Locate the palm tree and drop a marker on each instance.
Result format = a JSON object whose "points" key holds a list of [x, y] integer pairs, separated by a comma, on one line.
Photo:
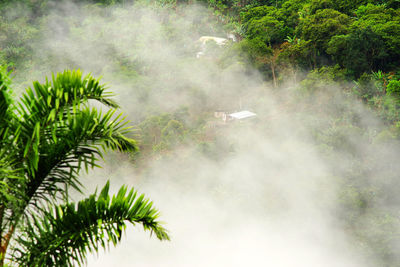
{"points": [[46, 139]]}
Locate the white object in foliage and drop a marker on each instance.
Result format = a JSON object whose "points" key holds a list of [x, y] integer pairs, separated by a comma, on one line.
{"points": [[242, 115], [232, 37], [203, 41], [199, 54], [219, 40]]}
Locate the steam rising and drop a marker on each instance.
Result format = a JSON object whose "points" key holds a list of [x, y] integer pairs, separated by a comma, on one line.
{"points": [[274, 200]]}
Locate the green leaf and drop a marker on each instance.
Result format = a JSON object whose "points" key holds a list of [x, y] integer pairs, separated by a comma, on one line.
{"points": [[64, 234]]}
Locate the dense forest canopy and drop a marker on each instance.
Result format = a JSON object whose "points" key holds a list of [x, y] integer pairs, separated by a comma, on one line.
{"points": [[322, 76]]}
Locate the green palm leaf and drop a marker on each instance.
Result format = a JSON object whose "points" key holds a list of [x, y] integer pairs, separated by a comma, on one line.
{"points": [[64, 235], [58, 132], [46, 139], [84, 135], [48, 106]]}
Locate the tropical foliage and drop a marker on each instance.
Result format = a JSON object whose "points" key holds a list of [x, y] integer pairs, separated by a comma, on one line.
{"points": [[332, 57], [46, 139]]}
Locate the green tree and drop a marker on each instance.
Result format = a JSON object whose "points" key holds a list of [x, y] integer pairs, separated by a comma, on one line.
{"points": [[315, 5], [322, 26], [295, 55], [367, 87], [45, 140], [268, 28], [393, 88], [291, 12], [260, 56], [258, 13], [321, 78], [344, 6], [253, 50], [264, 23], [360, 51], [385, 22], [392, 3]]}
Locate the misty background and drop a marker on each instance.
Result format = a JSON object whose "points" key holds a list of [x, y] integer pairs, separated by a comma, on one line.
{"points": [[302, 185]]}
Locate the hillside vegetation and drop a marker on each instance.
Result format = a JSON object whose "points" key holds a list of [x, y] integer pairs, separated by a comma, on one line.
{"points": [[324, 73]]}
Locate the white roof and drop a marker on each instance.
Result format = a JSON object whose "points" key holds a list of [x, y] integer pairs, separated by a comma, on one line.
{"points": [[242, 114], [218, 40]]}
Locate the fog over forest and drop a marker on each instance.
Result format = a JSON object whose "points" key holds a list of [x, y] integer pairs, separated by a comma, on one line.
{"points": [[299, 185]]}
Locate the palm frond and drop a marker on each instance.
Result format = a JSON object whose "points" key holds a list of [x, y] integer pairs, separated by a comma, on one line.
{"points": [[11, 189], [65, 89], [11, 177], [46, 105], [84, 135], [65, 234], [46, 139], [5, 102], [56, 133]]}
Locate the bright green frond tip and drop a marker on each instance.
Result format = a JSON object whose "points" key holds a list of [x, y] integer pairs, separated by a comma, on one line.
{"points": [[64, 234], [65, 89]]}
